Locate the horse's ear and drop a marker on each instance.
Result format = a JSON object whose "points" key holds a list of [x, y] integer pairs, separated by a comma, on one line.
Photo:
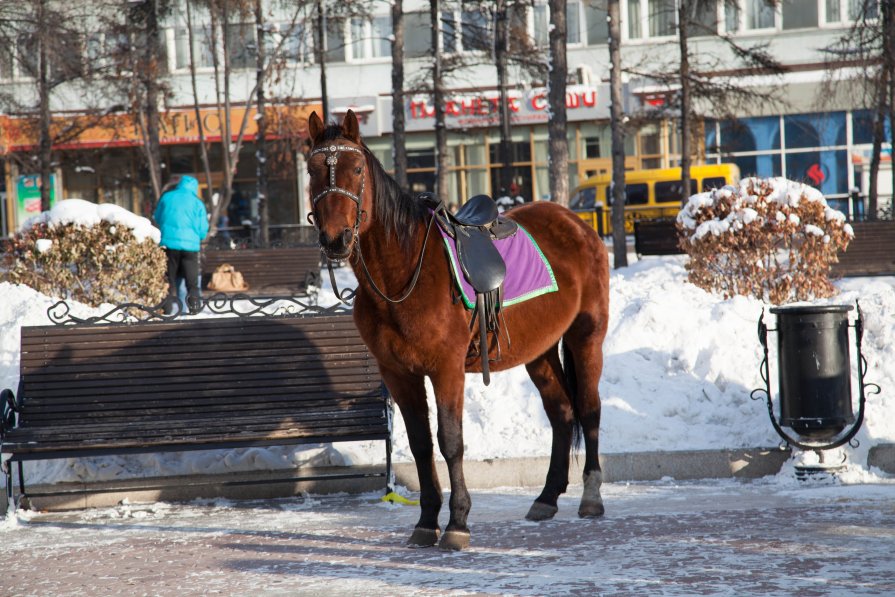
{"points": [[350, 128], [315, 128]]}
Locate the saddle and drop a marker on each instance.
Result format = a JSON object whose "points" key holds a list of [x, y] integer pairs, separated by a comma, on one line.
{"points": [[475, 227]]}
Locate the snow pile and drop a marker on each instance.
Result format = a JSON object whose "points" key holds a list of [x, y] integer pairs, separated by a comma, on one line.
{"points": [[679, 366], [86, 214]]}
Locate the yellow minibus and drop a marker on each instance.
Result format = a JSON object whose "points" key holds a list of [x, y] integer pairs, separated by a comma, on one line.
{"points": [[649, 194]]}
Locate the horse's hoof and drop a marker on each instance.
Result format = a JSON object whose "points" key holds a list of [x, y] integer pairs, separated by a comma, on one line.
{"points": [[454, 540], [541, 511], [423, 538], [591, 509]]}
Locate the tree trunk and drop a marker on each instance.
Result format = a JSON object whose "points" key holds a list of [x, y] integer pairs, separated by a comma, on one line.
{"points": [[501, 59], [320, 54], [228, 159], [203, 145], [557, 142], [45, 143], [879, 119], [151, 76], [261, 135], [399, 137], [686, 108], [888, 13], [438, 93], [619, 240]]}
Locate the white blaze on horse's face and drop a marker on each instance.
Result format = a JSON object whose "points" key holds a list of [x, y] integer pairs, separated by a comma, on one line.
{"points": [[338, 176]]}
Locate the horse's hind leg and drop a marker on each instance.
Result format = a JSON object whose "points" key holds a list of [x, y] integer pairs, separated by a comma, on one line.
{"points": [[585, 341], [409, 392], [547, 374]]}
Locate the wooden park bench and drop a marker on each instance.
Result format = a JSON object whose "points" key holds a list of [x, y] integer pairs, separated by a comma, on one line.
{"points": [[179, 384], [871, 252], [656, 237], [287, 271]]}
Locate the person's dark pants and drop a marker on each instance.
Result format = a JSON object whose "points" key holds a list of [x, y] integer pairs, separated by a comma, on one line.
{"points": [[183, 264]]}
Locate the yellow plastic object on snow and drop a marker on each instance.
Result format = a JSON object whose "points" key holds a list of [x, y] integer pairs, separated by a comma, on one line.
{"points": [[399, 499]]}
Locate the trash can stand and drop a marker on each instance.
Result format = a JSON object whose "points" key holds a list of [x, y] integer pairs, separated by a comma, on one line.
{"points": [[864, 389]]}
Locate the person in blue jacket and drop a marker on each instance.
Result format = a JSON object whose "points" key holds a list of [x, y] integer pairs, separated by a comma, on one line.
{"points": [[183, 221]]}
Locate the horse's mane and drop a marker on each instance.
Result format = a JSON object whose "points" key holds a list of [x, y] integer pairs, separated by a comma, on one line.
{"points": [[396, 209]]}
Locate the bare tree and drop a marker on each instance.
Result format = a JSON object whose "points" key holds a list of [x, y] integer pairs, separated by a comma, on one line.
{"points": [[228, 37], [501, 61], [320, 51], [438, 97], [868, 45], [557, 142], [710, 80], [261, 171], [45, 42], [619, 241], [399, 136]]}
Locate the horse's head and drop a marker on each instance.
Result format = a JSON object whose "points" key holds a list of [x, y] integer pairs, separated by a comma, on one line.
{"points": [[338, 172]]}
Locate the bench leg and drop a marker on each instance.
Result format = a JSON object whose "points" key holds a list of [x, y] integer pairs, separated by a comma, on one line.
{"points": [[10, 498], [23, 499]]}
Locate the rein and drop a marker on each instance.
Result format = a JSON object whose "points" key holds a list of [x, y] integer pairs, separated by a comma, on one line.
{"points": [[346, 296]]}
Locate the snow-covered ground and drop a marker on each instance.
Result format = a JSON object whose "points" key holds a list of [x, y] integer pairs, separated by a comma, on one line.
{"points": [[679, 366]]}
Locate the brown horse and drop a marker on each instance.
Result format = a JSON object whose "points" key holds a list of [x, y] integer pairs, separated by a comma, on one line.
{"points": [[363, 216]]}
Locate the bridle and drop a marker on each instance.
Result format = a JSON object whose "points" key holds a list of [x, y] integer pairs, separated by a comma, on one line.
{"points": [[332, 159]]}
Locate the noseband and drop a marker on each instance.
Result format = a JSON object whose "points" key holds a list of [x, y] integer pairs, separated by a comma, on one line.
{"points": [[332, 160]]}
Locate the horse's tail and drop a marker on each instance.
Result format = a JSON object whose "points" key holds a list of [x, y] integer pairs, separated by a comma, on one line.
{"points": [[568, 369]]}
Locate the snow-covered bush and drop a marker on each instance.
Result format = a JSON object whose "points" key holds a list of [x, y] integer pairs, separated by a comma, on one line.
{"points": [[773, 239], [90, 253]]}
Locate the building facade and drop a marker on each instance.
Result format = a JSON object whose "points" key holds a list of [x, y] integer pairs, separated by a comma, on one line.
{"points": [[815, 130]]}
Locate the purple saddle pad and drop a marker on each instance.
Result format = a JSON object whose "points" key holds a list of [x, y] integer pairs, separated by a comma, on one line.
{"points": [[528, 272]]}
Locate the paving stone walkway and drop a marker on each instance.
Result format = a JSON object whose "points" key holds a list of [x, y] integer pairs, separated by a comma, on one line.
{"points": [[660, 538]]}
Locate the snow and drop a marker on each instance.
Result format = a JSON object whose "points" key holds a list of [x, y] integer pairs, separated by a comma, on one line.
{"points": [[679, 367], [680, 364], [84, 213]]}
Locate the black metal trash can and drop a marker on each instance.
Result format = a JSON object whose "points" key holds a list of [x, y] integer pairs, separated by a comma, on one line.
{"points": [[814, 369]]}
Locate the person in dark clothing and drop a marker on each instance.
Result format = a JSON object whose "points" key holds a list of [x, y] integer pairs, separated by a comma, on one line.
{"points": [[183, 221]]}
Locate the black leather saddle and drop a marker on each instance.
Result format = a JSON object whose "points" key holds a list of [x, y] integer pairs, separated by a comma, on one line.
{"points": [[475, 227]]}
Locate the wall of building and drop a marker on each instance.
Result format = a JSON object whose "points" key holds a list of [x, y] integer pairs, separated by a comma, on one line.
{"points": [[360, 78]]}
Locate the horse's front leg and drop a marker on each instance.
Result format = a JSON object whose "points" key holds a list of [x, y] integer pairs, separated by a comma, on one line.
{"points": [[409, 393], [448, 386]]}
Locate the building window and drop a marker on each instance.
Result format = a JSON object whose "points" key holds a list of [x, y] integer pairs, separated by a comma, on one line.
{"points": [[732, 14], [635, 30], [370, 38], [417, 34], [573, 22], [662, 18], [202, 55], [760, 14], [466, 31], [296, 43], [838, 11], [705, 19], [335, 40], [799, 14], [241, 45], [595, 18]]}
